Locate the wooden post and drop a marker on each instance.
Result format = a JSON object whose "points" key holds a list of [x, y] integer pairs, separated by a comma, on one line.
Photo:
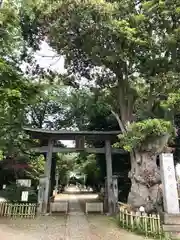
{"points": [[109, 176], [47, 174]]}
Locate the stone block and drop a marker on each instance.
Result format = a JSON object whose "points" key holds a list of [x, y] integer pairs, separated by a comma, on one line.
{"points": [[94, 207], [169, 184], [172, 219], [59, 207]]}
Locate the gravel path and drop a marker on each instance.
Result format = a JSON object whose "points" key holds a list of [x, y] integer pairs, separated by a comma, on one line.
{"points": [[76, 226]]}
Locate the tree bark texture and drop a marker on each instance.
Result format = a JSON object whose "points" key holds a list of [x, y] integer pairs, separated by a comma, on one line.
{"points": [[145, 180]]}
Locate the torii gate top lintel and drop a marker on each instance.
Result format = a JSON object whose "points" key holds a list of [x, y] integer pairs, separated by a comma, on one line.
{"points": [[38, 133]]}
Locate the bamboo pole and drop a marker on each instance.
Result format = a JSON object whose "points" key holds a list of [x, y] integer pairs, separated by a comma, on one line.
{"points": [[146, 224], [131, 221]]}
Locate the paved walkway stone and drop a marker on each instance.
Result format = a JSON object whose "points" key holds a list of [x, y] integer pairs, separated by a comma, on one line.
{"points": [[77, 224]]}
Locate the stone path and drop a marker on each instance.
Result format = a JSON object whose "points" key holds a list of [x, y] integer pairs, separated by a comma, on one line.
{"points": [[76, 226], [93, 227]]}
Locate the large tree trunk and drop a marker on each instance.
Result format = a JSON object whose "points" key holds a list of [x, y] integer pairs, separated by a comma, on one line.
{"points": [[145, 176], [145, 179]]}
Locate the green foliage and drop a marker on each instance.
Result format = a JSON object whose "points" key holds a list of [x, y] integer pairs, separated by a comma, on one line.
{"points": [[87, 165], [17, 91], [50, 104], [142, 133], [83, 104], [36, 167], [64, 165], [90, 168], [172, 103]]}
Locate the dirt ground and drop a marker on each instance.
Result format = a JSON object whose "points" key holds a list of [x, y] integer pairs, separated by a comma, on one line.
{"points": [[55, 228], [41, 228]]}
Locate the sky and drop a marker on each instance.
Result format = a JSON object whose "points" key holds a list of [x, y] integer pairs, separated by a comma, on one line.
{"points": [[47, 58]]}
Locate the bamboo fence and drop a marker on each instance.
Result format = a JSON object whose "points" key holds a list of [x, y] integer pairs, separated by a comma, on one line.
{"points": [[148, 225], [14, 210]]}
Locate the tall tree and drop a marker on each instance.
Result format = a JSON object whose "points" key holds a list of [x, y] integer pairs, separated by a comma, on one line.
{"points": [[17, 91]]}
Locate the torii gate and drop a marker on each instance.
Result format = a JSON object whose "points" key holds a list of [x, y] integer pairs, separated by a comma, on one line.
{"points": [[79, 136]]}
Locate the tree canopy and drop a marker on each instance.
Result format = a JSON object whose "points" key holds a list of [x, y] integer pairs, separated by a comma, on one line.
{"points": [[130, 49]]}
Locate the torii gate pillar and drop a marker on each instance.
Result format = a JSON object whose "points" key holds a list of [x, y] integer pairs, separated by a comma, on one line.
{"points": [[47, 173], [110, 194]]}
